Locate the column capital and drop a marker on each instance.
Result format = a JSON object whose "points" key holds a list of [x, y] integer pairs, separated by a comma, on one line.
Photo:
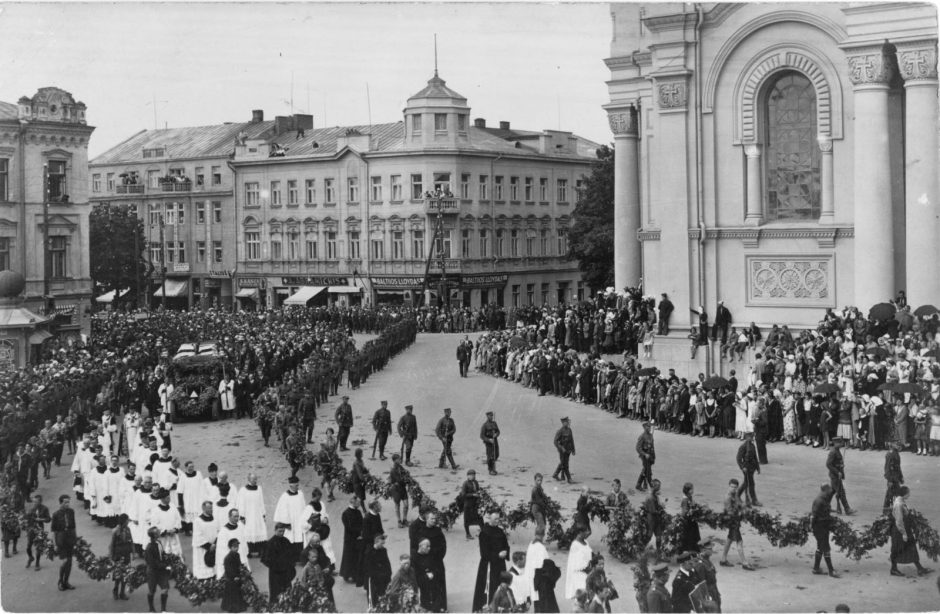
{"points": [[752, 150], [869, 66], [917, 60], [623, 121], [825, 144]]}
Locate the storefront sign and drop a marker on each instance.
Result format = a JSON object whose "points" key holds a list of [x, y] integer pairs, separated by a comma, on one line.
{"points": [[220, 274], [484, 281], [323, 280], [404, 283], [250, 282]]}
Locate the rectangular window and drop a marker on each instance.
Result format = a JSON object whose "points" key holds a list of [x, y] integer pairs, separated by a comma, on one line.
{"points": [[352, 189], [155, 210], [181, 251], [378, 249], [5, 260], [580, 291], [354, 245], [216, 175], [200, 212], [442, 183], [329, 190], [217, 252], [171, 251], [484, 243], [543, 190], [484, 187], [442, 245], [461, 123], [543, 242], [200, 251], [200, 176], [515, 295], [465, 243], [277, 251], [156, 254], [169, 215], [275, 193], [312, 246], [416, 124], [440, 122], [398, 245], [376, 189], [311, 186], [217, 211], [96, 182], [4, 180], [530, 294], [396, 188], [498, 188], [156, 152], [252, 194], [253, 245], [292, 192], [500, 243], [465, 186], [417, 186], [530, 243], [417, 244], [58, 186], [529, 189], [180, 214], [545, 288], [562, 196], [153, 179], [111, 182], [293, 245], [578, 189], [514, 189], [331, 245], [563, 242], [514, 243]]}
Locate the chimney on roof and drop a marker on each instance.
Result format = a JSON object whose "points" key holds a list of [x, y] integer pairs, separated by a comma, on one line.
{"points": [[257, 116], [479, 123], [504, 125]]}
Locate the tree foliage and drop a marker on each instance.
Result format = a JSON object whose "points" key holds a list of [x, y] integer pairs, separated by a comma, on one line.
{"points": [[591, 236], [112, 229]]}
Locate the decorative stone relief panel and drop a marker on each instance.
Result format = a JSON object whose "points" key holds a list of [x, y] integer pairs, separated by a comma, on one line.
{"points": [[790, 281]]}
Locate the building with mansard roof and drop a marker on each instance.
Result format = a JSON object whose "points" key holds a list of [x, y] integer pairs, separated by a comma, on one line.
{"points": [[350, 213], [782, 157]]}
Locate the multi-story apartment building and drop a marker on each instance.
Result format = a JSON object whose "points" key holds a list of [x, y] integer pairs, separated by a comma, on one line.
{"points": [[350, 213], [44, 205]]}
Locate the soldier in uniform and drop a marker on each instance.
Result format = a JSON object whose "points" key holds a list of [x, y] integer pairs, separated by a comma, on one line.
{"points": [[344, 420], [382, 424], [748, 463], [445, 431], [489, 433], [836, 466], [893, 474], [564, 443], [408, 431], [652, 509], [821, 522], [658, 598], [683, 583], [307, 408], [647, 452]]}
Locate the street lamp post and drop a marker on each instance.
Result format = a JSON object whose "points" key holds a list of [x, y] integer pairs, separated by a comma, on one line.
{"points": [[437, 242]]}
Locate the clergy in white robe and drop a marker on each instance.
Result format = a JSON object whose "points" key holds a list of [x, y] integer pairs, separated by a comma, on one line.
{"points": [[110, 428], [223, 494], [166, 518], [82, 465], [98, 491], [115, 483], [233, 528], [129, 484], [189, 488], [205, 533], [161, 470], [250, 504], [131, 430], [579, 557], [138, 512], [535, 555], [227, 394], [165, 391], [290, 510]]}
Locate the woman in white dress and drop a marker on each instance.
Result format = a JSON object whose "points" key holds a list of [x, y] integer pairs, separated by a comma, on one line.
{"points": [[579, 557], [740, 416]]}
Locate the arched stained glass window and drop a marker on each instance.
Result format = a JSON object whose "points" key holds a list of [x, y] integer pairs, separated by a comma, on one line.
{"points": [[791, 161]]}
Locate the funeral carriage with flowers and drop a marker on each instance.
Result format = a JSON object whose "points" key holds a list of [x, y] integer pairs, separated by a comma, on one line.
{"points": [[196, 369]]}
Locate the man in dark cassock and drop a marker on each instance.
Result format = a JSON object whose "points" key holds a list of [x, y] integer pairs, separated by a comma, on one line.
{"points": [[352, 531], [494, 550], [683, 583], [437, 544], [280, 561], [378, 570], [371, 526]]}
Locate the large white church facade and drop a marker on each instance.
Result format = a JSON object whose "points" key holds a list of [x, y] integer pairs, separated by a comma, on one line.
{"points": [[782, 158]]}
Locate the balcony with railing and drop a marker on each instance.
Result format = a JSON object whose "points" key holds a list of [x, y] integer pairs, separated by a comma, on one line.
{"points": [[176, 185], [136, 188]]}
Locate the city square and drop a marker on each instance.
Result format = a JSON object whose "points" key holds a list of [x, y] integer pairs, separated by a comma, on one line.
{"points": [[677, 353]]}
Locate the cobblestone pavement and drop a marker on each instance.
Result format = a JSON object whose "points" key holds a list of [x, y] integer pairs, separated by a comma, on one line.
{"points": [[426, 376]]}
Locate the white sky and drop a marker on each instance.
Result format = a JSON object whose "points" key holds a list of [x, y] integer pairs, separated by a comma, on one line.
{"points": [[536, 65]]}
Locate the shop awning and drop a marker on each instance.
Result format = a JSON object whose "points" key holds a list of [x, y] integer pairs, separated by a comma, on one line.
{"points": [[39, 336], [251, 293], [344, 289], [171, 288], [108, 297], [304, 294]]}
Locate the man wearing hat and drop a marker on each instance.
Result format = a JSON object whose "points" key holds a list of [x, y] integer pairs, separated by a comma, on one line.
{"points": [[280, 561], [821, 522], [408, 431], [489, 433], [564, 443], [445, 431], [290, 511], [658, 598], [382, 425], [647, 452], [344, 422], [835, 463], [893, 474], [683, 583], [307, 408], [748, 463], [705, 570], [665, 311], [722, 322]]}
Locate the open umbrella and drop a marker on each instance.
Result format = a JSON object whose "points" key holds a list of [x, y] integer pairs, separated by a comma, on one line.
{"points": [[929, 354], [516, 342], [715, 382], [925, 310], [648, 371], [826, 388], [881, 311], [887, 386], [908, 387], [877, 351]]}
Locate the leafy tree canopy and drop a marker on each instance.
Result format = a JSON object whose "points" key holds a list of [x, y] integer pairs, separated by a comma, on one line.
{"points": [[113, 257], [591, 236]]}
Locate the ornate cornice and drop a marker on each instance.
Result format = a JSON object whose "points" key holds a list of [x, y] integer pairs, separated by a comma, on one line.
{"points": [[825, 235], [917, 60], [624, 61], [648, 235], [664, 23]]}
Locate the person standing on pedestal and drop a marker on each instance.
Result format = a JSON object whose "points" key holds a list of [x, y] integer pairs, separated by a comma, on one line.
{"points": [[722, 322], [665, 312]]}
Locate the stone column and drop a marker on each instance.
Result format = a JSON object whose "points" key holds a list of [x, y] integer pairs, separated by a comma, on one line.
{"points": [[917, 62], [870, 72], [755, 204], [627, 261], [827, 209]]}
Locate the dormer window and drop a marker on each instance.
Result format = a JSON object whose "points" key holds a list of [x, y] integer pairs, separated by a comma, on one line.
{"points": [[440, 122]]}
